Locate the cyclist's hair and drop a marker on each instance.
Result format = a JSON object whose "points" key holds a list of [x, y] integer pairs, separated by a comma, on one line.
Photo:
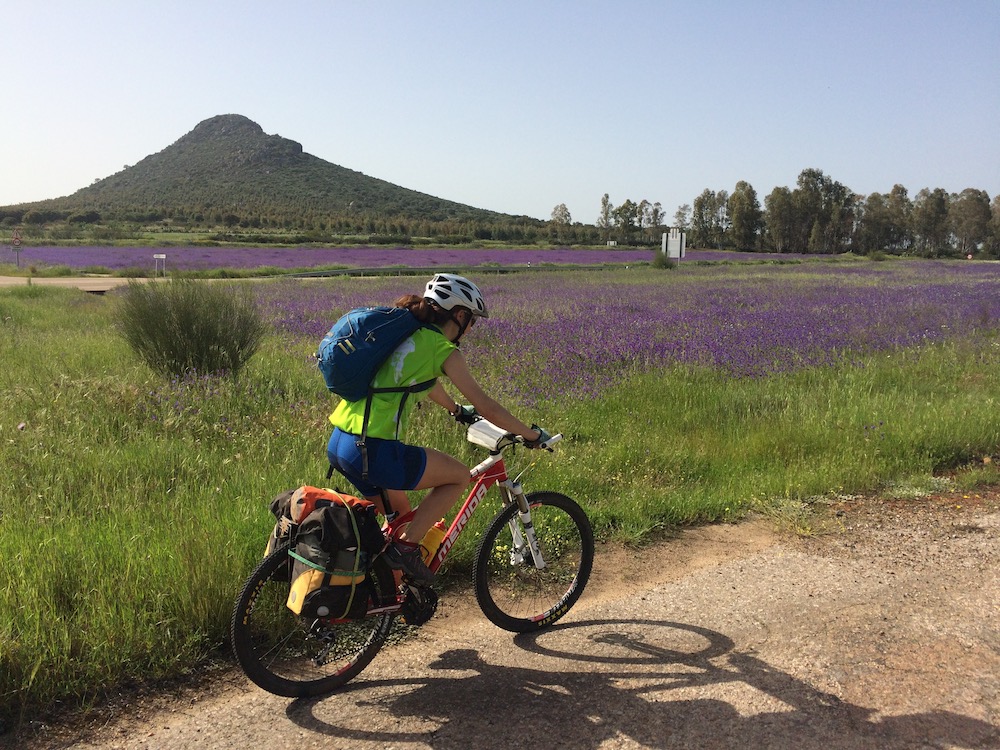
{"points": [[425, 310]]}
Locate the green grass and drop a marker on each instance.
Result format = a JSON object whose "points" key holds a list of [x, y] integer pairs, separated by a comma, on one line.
{"points": [[702, 447], [134, 506]]}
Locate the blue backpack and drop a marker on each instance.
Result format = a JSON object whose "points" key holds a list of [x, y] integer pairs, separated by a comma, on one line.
{"points": [[356, 346]]}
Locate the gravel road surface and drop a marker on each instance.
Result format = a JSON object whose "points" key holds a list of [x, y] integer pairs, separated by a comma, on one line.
{"points": [[883, 632]]}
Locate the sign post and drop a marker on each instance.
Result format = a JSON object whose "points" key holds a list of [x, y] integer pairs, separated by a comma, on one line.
{"points": [[673, 245], [15, 242], [159, 264]]}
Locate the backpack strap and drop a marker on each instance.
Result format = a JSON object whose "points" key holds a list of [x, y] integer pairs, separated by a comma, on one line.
{"points": [[406, 391]]}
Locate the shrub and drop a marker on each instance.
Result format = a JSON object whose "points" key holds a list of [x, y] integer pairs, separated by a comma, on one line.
{"points": [[182, 326], [660, 260]]}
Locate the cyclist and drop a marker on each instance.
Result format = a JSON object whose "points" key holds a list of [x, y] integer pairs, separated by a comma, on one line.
{"points": [[451, 304]]}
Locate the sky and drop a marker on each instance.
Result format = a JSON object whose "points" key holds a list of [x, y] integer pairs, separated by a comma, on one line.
{"points": [[517, 106]]}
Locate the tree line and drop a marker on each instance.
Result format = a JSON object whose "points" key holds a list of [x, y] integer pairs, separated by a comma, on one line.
{"points": [[821, 215], [630, 223], [245, 223]]}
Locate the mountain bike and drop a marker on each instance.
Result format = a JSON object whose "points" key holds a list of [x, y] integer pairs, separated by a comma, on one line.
{"points": [[531, 566]]}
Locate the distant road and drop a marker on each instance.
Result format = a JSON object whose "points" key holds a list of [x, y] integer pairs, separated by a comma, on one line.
{"points": [[95, 284], [101, 284]]}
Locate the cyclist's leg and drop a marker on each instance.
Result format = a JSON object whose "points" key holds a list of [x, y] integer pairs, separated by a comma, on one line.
{"points": [[446, 477]]}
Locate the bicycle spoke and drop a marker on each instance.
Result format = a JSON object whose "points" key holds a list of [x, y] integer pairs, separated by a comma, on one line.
{"points": [[290, 656], [512, 591]]}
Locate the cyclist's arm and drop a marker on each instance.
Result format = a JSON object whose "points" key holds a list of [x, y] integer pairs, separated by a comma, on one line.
{"points": [[440, 396], [458, 373]]}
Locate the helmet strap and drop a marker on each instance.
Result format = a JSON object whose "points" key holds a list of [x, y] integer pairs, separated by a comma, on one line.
{"points": [[462, 327]]}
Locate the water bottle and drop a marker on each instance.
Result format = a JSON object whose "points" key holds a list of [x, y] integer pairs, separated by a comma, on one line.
{"points": [[432, 541]]}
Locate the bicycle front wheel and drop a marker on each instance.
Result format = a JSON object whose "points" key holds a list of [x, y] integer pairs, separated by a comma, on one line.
{"points": [[513, 592], [298, 657]]}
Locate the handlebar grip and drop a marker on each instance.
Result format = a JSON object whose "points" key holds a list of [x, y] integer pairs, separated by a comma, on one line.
{"points": [[547, 445]]}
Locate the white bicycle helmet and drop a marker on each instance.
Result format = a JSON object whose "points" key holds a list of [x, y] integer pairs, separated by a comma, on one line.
{"points": [[449, 290]]}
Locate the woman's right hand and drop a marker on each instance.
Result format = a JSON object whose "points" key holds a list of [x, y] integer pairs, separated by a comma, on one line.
{"points": [[466, 414], [542, 438]]}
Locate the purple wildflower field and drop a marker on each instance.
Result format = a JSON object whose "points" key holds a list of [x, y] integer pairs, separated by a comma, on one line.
{"points": [[206, 258], [574, 334]]}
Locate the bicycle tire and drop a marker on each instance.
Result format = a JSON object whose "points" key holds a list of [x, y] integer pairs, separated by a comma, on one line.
{"points": [[294, 657], [513, 593]]}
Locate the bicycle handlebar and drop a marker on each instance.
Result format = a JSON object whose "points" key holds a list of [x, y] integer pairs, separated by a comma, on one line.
{"points": [[547, 445], [487, 435]]}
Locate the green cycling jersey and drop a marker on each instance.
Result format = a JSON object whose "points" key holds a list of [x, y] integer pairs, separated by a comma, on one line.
{"points": [[420, 357]]}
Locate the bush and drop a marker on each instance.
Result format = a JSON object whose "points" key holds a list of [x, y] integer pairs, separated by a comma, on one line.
{"points": [[660, 260], [183, 326]]}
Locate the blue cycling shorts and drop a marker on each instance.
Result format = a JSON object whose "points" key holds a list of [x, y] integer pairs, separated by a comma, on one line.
{"points": [[392, 465]]}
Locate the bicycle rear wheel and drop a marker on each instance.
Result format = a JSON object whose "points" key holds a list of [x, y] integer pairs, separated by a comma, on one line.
{"points": [[296, 657], [512, 592]]}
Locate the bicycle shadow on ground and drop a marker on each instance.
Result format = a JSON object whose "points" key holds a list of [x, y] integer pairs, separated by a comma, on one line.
{"points": [[660, 684]]}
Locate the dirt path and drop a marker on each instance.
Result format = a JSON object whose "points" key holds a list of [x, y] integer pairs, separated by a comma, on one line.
{"points": [[98, 284], [884, 634]]}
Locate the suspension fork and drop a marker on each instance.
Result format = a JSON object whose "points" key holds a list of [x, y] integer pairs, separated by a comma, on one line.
{"points": [[525, 544]]}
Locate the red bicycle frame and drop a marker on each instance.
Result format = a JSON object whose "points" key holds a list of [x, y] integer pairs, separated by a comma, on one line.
{"points": [[490, 472]]}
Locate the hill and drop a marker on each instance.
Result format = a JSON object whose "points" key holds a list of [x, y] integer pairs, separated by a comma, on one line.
{"points": [[228, 171]]}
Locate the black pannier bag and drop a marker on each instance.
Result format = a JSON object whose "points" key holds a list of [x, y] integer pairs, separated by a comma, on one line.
{"points": [[337, 538]]}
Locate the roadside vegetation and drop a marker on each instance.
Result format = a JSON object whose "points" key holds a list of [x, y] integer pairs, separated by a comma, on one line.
{"points": [[134, 504], [182, 328]]}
